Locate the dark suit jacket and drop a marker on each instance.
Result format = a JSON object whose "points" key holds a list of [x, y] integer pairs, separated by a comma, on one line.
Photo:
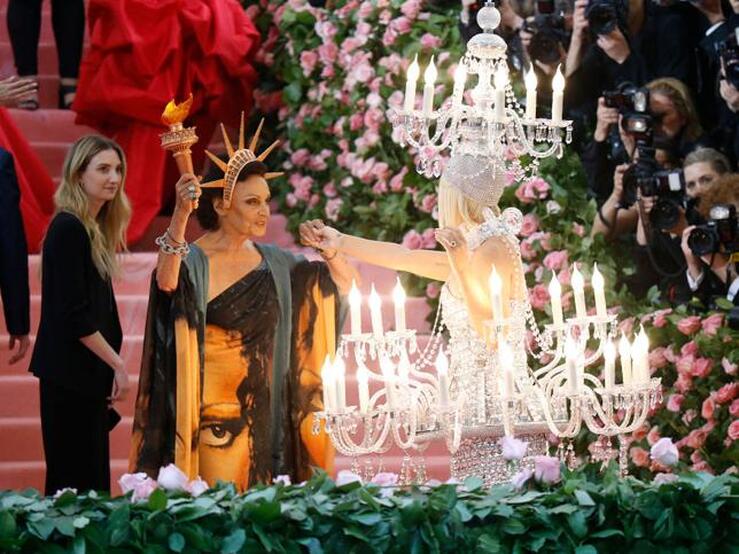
{"points": [[13, 251], [75, 302]]}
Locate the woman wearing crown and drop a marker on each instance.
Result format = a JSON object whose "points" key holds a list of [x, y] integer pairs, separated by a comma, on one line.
{"points": [[236, 335]]}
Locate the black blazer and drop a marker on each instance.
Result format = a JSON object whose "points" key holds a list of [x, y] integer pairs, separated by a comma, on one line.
{"points": [[13, 251], [75, 302]]}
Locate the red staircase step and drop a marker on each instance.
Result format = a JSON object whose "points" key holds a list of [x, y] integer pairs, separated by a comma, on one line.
{"points": [[49, 126]]}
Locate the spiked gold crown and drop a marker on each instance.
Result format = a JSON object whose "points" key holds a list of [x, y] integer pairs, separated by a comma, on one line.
{"points": [[237, 160]]}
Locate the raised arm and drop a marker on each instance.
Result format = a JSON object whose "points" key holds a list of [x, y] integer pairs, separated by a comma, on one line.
{"points": [[425, 263], [168, 264]]}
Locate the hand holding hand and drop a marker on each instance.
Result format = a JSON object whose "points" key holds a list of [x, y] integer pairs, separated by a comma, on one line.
{"points": [[318, 235]]}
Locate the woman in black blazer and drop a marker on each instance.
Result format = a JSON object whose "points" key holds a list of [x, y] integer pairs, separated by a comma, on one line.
{"points": [[76, 356]]}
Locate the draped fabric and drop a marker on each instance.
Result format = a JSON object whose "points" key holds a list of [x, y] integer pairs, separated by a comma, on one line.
{"points": [[35, 183], [142, 54], [180, 383]]}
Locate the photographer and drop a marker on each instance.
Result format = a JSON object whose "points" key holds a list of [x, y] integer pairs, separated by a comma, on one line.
{"points": [[726, 135], [702, 167], [710, 250], [613, 42], [664, 107]]}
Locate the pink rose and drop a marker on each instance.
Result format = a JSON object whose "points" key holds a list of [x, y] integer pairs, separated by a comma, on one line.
{"points": [[546, 469], [640, 432], [412, 240], [689, 325], [512, 448], [429, 239], [329, 189], [333, 207], [433, 290], [734, 408], [300, 157], [683, 383], [396, 183], [664, 452], [727, 393], [702, 367], [539, 297], [696, 438], [521, 478], [657, 359], [708, 408], [733, 431], [688, 417], [401, 25], [379, 188], [530, 225], [428, 203], [660, 317], [196, 487], [308, 60], [411, 8], [674, 402], [639, 456], [578, 229], [684, 364], [172, 478], [653, 435], [689, 349], [712, 323], [664, 478], [527, 250], [556, 260], [430, 41], [729, 368]]}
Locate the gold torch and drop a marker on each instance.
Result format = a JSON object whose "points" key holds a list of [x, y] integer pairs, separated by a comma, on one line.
{"points": [[179, 139]]}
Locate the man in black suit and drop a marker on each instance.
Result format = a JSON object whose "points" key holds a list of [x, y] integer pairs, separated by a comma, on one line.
{"points": [[13, 260]]}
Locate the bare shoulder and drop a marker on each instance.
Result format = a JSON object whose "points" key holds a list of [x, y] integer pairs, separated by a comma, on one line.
{"points": [[495, 250]]}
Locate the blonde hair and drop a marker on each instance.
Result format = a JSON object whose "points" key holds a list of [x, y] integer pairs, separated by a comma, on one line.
{"points": [[107, 231], [679, 95], [724, 190], [456, 209]]}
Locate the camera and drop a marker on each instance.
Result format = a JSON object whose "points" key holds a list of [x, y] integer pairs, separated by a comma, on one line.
{"points": [[720, 231], [728, 52], [603, 16], [632, 103], [548, 33]]}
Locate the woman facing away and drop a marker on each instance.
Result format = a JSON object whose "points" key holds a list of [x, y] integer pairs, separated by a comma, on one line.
{"points": [[475, 237], [76, 356], [236, 335]]}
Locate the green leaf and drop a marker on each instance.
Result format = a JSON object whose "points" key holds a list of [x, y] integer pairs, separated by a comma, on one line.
{"points": [[233, 542], [176, 542], [578, 524], [586, 549], [41, 528], [367, 519], [473, 483], [514, 527], [78, 546], [488, 544], [157, 500], [607, 533], [7, 525], [583, 498]]}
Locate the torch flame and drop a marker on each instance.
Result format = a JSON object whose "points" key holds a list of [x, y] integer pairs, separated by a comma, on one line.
{"points": [[176, 113]]}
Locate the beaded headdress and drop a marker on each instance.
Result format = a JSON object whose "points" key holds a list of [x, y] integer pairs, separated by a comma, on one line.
{"points": [[237, 160]]}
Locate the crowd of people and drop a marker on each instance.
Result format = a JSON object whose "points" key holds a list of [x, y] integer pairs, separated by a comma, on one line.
{"points": [[653, 89]]}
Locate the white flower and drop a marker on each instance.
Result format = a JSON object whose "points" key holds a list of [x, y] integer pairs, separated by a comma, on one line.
{"points": [[172, 478], [60, 492], [196, 487], [513, 448], [345, 477], [519, 479], [284, 479], [664, 452], [553, 207], [143, 490], [385, 479], [128, 481], [662, 478]]}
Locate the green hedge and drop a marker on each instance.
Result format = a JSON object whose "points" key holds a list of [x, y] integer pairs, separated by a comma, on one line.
{"points": [[586, 513]]}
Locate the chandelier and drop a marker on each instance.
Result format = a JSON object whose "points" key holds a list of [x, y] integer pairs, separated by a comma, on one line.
{"points": [[475, 389], [493, 126]]}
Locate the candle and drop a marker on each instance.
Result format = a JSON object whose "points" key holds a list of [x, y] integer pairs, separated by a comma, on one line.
{"points": [[640, 357], [609, 355], [375, 304], [558, 88], [328, 385], [600, 296], [355, 306], [460, 77], [571, 355], [429, 82], [442, 371], [386, 366], [578, 287], [555, 293], [496, 286], [339, 371], [399, 301], [501, 81], [530, 80], [363, 386], [505, 367], [410, 86], [624, 352]]}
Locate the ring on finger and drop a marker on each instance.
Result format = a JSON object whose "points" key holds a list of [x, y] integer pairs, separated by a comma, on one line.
{"points": [[453, 243], [191, 189]]}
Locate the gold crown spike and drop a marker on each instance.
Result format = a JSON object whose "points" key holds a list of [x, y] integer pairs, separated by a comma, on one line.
{"points": [[237, 160], [273, 175]]}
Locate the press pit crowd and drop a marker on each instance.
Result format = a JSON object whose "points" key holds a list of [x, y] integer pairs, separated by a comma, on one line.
{"points": [[653, 89]]}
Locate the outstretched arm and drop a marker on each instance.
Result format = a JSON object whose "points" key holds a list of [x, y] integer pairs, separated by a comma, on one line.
{"points": [[425, 263]]}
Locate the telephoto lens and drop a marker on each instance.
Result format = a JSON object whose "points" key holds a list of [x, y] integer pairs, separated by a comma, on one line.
{"points": [[721, 230]]}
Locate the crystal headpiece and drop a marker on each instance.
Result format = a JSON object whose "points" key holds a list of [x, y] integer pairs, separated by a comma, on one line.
{"points": [[237, 160], [476, 177]]}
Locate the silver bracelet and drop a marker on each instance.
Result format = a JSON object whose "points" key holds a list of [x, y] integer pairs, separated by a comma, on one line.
{"points": [[182, 250]]}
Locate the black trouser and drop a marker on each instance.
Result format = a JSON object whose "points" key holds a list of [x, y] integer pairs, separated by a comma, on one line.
{"points": [[76, 441], [24, 28]]}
